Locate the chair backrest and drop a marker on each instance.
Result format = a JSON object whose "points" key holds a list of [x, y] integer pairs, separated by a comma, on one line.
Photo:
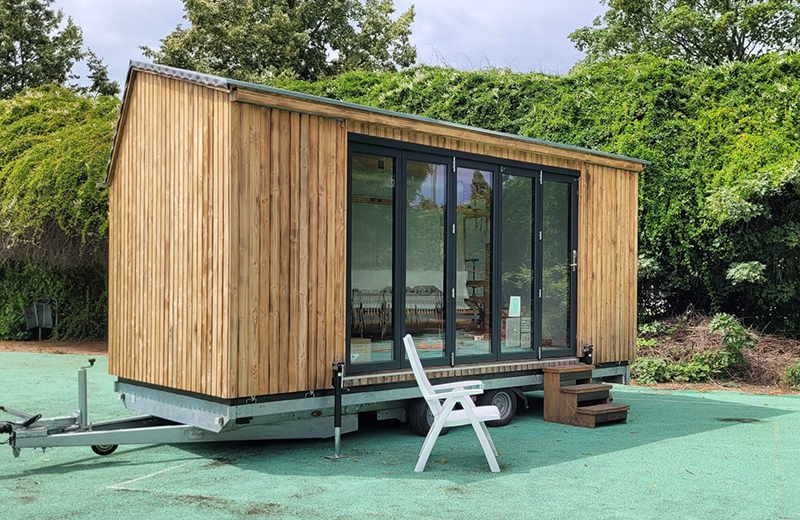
{"points": [[420, 376]]}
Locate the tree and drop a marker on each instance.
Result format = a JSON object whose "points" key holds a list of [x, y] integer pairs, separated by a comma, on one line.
{"points": [[300, 39], [32, 49], [709, 32], [101, 84], [34, 52]]}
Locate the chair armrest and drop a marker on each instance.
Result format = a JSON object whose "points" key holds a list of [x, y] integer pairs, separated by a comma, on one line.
{"points": [[457, 384], [459, 392]]}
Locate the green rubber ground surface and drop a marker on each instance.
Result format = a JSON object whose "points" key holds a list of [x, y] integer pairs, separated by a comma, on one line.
{"points": [[681, 455]]}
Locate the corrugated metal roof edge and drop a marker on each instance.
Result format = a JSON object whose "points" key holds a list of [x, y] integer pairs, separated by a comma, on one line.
{"points": [[217, 81]]}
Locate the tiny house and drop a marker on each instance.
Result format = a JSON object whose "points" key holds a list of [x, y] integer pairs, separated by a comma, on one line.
{"points": [[258, 236]]}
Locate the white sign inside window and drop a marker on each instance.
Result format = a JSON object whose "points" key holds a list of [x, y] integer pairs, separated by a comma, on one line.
{"points": [[514, 306]]}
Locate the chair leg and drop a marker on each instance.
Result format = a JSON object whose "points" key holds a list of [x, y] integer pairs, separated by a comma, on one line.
{"points": [[487, 445], [491, 442], [430, 440]]}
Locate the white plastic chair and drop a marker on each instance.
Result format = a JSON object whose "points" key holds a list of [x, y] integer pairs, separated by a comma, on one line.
{"points": [[445, 416]]}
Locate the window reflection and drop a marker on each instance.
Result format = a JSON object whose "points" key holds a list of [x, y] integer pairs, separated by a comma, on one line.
{"points": [[555, 266], [426, 186], [517, 264], [473, 261], [371, 324]]}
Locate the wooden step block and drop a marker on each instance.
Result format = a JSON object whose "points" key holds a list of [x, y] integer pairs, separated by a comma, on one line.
{"points": [[580, 373], [596, 414], [599, 409], [561, 369], [585, 388], [587, 392]]}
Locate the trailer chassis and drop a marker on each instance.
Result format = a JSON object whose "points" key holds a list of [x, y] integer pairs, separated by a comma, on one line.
{"points": [[173, 418]]}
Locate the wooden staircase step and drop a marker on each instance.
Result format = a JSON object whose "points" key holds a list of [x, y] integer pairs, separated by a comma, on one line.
{"points": [[562, 369], [586, 388], [602, 409], [594, 415]]}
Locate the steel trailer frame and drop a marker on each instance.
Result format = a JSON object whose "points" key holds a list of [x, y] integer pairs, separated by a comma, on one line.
{"points": [[173, 418]]}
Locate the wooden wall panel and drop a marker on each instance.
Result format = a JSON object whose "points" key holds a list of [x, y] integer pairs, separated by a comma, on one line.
{"points": [[167, 258], [607, 256], [289, 174]]}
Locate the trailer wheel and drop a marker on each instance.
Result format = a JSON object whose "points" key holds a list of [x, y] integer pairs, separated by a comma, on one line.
{"points": [[104, 449], [505, 400], [420, 418]]}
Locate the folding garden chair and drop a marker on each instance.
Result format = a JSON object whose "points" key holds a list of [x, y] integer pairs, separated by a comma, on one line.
{"points": [[442, 400]]}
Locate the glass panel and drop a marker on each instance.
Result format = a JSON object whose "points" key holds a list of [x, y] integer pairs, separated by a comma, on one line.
{"points": [[555, 267], [425, 248], [517, 264], [473, 261], [371, 327]]}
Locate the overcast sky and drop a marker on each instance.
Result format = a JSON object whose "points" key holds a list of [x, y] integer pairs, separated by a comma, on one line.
{"points": [[524, 35]]}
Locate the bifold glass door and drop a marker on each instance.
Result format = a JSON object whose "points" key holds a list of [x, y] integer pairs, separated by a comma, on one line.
{"points": [[473, 259], [425, 281], [519, 287], [371, 232], [559, 266]]}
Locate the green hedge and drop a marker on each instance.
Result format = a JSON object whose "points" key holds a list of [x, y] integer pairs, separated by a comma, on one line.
{"points": [[719, 225], [54, 147], [719, 222]]}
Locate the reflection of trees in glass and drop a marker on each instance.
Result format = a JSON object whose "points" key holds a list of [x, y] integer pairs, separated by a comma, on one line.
{"points": [[425, 202], [517, 240], [474, 210], [555, 261]]}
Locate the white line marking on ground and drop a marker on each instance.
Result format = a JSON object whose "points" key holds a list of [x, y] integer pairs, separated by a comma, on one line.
{"points": [[119, 486]]}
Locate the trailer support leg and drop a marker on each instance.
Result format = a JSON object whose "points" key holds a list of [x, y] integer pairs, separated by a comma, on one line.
{"points": [[83, 407], [83, 401], [338, 382]]}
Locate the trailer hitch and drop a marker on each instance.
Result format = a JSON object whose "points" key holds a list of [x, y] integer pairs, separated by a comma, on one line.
{"points": [[8, 427]]}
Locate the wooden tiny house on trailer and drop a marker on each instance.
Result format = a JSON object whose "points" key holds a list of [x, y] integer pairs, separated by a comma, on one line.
{"points": [[257, 236]]}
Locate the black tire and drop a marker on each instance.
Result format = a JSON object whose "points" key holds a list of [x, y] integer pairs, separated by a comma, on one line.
{"points": [[105, 449], [505, 400], [420, 418]]}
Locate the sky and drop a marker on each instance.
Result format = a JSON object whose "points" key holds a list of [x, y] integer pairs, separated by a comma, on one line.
{"points": [[524, 35]]}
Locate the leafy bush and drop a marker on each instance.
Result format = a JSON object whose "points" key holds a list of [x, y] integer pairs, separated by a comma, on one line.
{"points": [[735, 336], [741, 272], [655, 328], [646, 342], [705, 366], [650, 371], [791, 376]]}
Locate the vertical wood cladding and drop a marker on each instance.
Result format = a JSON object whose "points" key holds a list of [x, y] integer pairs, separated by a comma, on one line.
{"points": [[227, 238]]}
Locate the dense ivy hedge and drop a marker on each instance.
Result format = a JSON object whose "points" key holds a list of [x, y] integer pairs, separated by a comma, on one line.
{"points": [[719, 206], [54, 146]]}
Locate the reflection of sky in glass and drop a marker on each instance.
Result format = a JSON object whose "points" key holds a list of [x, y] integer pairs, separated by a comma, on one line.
{"points": [[465, 182], [433, 187]]}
